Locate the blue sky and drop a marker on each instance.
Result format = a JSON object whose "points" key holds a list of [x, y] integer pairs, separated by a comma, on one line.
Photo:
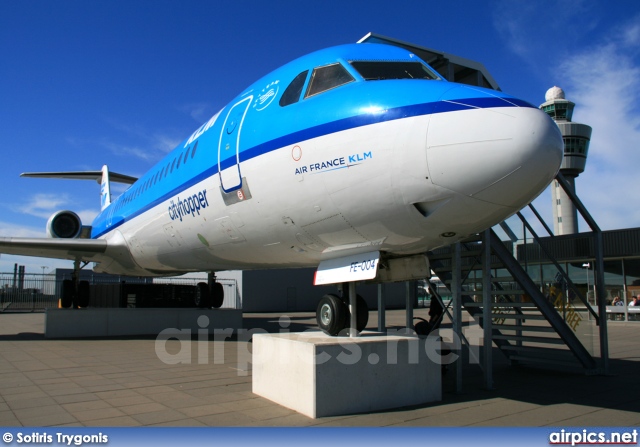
{"points": [[121, 82]]}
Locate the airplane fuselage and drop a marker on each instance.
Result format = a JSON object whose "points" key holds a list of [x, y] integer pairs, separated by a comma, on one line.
{"points": [[293, 172]]}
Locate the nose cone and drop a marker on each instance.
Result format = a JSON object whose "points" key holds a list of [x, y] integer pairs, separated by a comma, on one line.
{"points": [[502, 155]]}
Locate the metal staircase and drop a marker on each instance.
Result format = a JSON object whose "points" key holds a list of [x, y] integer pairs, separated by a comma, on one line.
{"points": [[530, 310], [527, 325]]}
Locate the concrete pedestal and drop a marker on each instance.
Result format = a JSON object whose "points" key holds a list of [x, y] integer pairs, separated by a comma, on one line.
{"points": [[319, 375], [111, 322]]}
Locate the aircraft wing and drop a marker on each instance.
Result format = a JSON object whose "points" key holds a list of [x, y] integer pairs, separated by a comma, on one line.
{"points": [[83, 249]]}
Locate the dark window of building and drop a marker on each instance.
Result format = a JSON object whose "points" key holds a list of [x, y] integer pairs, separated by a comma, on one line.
{"points": [[327, 78], [559, 110], [576, 145], [292, 93]]}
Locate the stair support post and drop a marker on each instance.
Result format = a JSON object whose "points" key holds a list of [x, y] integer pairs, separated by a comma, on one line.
{"points": [[457, 308], [487, 323]]}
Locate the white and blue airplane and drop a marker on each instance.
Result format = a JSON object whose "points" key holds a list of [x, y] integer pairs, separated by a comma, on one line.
{"points": [[355, 159]]}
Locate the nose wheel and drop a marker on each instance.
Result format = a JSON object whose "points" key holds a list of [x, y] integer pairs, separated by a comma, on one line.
{"points": [[333, 316]]}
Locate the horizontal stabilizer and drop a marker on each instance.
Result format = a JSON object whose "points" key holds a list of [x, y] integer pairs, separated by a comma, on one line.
{"points": [[83, 175]]}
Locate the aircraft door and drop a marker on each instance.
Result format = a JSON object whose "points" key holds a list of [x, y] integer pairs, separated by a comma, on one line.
{"points": [[229, 146]]}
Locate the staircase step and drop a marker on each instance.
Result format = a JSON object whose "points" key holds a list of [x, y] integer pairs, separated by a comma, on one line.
{"points": [[510, 304], [529, 339], [520, 317], [536, 351], [549, 362], [493, 292], [513, 327]]}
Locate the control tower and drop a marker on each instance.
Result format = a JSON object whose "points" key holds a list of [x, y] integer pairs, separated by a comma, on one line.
{"points": [[576, 138]]}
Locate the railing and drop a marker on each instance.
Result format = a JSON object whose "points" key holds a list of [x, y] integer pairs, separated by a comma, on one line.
{"points": [[553, 279], [28, 292]]}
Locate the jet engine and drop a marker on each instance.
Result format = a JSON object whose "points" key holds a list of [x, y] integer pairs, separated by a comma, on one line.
{"points": [[64, 225]]}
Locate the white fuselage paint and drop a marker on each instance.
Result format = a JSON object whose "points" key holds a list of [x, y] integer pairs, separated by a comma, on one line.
{"points": [[394, 187]]}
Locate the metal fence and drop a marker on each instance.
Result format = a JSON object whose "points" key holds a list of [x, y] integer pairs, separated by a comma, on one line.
{"points": [[33, 292]]}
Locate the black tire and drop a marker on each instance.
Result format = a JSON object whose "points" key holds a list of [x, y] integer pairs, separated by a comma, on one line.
{"points": [[422, 327], [217, 297], [84, 294], [67, 294], [202, 298], [331, 314], [362, 309]]}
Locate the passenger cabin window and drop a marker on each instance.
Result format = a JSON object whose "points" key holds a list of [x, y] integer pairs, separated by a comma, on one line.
{"points": [[327, 77], [381, 70], [292, 93]]}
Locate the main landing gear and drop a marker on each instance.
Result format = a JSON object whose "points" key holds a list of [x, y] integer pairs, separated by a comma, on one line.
{"points": [[334, 316], [75, 293], [209, 294]]}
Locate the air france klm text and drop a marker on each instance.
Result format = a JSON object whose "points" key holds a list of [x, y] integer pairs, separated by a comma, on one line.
{"points": [[336, 163]]}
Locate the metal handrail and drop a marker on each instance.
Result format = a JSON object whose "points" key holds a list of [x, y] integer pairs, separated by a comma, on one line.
{"points": [[565, 276]]}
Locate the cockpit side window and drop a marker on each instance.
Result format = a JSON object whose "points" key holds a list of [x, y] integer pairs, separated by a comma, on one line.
{"points": [[326, 78], [381, 70], [292, 93]]}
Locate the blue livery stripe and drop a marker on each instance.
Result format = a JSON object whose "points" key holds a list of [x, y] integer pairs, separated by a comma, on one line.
{"points": [[318, 131]]}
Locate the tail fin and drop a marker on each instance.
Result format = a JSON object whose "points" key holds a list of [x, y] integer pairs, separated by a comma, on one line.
{"points": [[105, 188]]}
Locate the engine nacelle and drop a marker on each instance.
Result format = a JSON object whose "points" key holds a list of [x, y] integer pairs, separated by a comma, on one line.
{"points": [[64, 225]]}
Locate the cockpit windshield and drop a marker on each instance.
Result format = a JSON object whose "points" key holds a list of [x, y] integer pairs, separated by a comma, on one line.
{"points": [[382, 70]]}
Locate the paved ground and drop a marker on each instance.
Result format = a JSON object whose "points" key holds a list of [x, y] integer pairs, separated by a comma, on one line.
{"points": [[122, 382]]}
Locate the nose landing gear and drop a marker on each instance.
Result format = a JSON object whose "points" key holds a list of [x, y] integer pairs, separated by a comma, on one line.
{"points": [[334, 318]]}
